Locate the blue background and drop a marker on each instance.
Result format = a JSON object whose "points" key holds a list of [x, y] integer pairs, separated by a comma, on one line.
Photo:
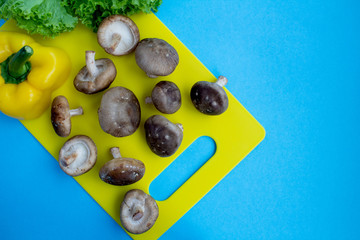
{"points": [[295, 65]]}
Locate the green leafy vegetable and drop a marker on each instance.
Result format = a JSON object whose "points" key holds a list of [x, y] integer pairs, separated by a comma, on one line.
{"points": [[92, 12], [45, 17], [51, 17]]}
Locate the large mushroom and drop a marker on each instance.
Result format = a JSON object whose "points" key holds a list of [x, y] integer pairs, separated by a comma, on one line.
{"points": [[118, 35], [119, 112], [156, 57], [138, 211], [209, 97], [61, 115], [96, 75], [78, 155], [163, 136], [166, 97], [121, 171]]}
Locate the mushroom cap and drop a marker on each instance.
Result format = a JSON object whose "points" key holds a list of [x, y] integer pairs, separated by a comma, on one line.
{"points": [[78, 155], [118, 35], [60, 116], [209, 98], [119, 112], [166, 97], [138, 211], [156, 57], [88, 84], [122, 171], [162, 136]]}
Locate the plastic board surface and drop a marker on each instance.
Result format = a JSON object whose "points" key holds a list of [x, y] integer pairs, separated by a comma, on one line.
{"points": [[235, 132]]}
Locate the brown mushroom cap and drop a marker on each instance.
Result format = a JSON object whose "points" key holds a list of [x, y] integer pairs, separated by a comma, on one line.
{"points": [[96, 75], [119, 112], [78, 155], [118, 35], [209, 97], [162, 136], [121, 171], [61, 115], [156, 57], [166, 97], [138, 211]]}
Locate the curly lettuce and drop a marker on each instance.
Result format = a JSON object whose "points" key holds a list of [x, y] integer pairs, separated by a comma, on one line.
{"points": [[45, 17], [51, 17], [92, 12]]}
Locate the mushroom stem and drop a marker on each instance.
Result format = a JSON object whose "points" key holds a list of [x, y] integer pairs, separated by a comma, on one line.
{"points": [[148, 100], [137, 213], [180, 126], [115, 41], [115, 152], [76, 111], [90, 63], [221, 81], [151, 75]]}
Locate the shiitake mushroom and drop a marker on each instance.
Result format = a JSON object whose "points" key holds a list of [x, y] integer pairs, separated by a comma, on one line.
{"points": [[162, 136], [210, 98], [119, 112], [61, 115], [78, 155], [96, 76], [166, 97], [118, 35], [138, 211], [156, 57], [121, 171]]}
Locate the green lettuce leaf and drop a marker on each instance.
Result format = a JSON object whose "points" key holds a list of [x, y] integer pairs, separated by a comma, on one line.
{"points": [[92, 12], [45, 17]]}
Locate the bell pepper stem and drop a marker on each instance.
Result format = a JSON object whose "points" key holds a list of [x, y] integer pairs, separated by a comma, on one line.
{"points": [[17, 65]]}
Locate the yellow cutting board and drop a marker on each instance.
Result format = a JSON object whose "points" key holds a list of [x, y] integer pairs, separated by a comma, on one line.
{"points": [[235, 132]]}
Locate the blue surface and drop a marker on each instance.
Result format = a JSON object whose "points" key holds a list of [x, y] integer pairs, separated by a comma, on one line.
{"points": [[295, 65], [189, 161]]}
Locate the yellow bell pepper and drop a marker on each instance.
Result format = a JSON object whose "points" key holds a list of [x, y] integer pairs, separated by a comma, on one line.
{"points": [[29, 73]]}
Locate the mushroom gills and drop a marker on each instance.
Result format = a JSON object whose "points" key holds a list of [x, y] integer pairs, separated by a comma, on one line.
{"points": [[138, 211], [115, 42], [118, 35], [78, 155], [75, 155]]}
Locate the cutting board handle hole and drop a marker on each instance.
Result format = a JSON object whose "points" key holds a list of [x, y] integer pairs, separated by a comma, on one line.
{"points": [[182, 168]]}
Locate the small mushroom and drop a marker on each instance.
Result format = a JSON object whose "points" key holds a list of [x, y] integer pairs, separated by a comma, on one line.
{"points": [[78, 155], [210, 98], [96, 75], [118, 35], [156, 57], [163, 136], [138, 211], [121, 171], [119, 112], [61, 115], [166, 97]]}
